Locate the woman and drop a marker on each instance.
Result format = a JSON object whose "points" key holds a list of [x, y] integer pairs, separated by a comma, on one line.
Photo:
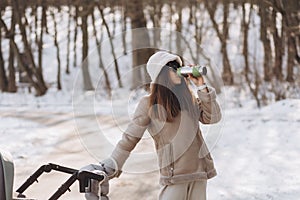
{"points": [[171, 113]]}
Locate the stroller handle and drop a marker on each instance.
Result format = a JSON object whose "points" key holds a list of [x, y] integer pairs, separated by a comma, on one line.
{"points": [[84, 178]]}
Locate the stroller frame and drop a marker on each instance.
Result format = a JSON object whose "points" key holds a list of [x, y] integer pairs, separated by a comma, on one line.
{"points": [[84, 178]]}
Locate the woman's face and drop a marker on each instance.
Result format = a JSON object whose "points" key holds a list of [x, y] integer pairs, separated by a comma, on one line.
{"points": [[174, 77]]}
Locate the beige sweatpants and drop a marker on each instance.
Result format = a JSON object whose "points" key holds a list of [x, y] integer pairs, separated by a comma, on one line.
{"points": [[195, 190]]}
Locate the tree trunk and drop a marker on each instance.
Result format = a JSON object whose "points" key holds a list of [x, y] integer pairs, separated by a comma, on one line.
{"points": [[18, 55], [178, 31], [253, 87], [227, 74], [36, 13], [75, 36], [113, 32], [41, 90], [68, 41], [170, 30], [264, 36], [140, 38], [99, 50], [291, 22], [124, 29], [198, 27], [11, 61], [192, 8], [87, 83], [291, 58], [57, 51], [3, 78], [155, 17], [40, 40], [112, 47], [278, 45]]}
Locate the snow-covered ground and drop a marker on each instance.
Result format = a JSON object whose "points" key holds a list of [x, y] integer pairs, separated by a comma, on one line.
{"points": [[256, 155]]}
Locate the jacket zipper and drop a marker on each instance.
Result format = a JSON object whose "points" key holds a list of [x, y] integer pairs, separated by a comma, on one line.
{"points": [[171, 170]]}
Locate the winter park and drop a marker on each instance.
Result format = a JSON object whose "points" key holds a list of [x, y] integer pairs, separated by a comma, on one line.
{"points": [[150, 100]]}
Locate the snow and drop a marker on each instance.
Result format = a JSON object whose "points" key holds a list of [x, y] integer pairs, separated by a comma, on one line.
{"points": [[22, 137], [256, 155], [256, 151]]}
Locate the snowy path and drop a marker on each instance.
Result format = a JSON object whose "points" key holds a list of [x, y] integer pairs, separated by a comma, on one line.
{"points": [[257, 156], [64, 149]]}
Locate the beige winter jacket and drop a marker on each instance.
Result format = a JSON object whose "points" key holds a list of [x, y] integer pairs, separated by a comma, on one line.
{"points": [[182, 152]]}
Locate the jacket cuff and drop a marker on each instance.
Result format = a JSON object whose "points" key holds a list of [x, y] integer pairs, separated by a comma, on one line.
{"points": [[207, 96], [119, 156]]}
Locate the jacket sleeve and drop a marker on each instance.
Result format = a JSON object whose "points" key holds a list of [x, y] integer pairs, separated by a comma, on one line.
{"points": [[133, 133], [210, 111]]}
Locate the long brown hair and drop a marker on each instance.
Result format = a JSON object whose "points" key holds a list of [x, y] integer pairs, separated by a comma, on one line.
{"points": [[168, 99]]}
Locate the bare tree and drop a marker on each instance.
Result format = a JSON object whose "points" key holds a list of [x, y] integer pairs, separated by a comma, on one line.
{"points": [[3, 77], [11, 61], [265, 16], [58, 79], [76, 16], [198, 23], [69, 39], [253, 82], [211, 7], [35, 15], [43, 25], [124, 28], [113, 14], [140, 38], [290, 11], [278, 37], [99, 50], [178, 23], [111, 46], [84, 28], [42, 88], [155, 16], [29, 72]]}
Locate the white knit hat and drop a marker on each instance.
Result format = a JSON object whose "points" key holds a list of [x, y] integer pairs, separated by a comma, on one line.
{"points": [[158, 60]]}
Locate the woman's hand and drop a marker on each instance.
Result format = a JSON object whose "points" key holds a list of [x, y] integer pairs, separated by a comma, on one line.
{"points": [[197, 80]]}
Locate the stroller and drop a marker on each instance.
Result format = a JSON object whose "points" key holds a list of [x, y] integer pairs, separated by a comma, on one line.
{"points": [[7, 177]]}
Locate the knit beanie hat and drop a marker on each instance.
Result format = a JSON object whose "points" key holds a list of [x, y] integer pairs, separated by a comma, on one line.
{"points": [[158, 60]]}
